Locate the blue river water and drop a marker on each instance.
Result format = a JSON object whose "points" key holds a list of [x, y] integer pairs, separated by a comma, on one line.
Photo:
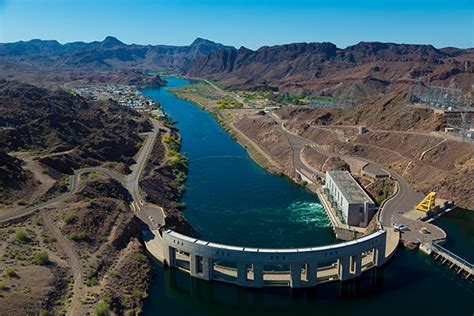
{"points": [[229, 199]]}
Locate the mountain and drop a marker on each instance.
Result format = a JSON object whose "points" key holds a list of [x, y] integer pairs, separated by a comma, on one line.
{"points": [[110, 53], [68, 130], [362, 70]]}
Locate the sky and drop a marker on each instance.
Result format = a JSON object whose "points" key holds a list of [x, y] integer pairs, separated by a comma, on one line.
{"points": [[246, 23]]}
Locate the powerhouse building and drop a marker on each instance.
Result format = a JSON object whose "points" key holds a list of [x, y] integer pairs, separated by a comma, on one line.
{"points": [[349, 199]]}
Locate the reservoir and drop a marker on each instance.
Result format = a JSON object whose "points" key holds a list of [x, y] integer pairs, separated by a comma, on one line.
{"points": [[231, 200]]}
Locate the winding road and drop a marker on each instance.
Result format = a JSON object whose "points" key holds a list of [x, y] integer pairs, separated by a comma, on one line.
{"points": [[130, 182], [404, 199]]}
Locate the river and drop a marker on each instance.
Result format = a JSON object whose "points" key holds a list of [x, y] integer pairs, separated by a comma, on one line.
{"points": [[229, 199]]}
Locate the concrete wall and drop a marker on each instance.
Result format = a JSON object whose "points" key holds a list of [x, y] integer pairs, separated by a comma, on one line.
{"points": [[203, 254], [350, 211]]}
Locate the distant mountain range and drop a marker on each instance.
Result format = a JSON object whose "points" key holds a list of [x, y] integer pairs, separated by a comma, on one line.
{"points": [[108, 54], [362, 70]]}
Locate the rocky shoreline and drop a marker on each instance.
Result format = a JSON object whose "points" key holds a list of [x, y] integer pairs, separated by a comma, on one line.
{"points": [[164, 175]]}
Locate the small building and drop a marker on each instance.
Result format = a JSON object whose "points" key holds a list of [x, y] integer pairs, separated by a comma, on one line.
{"points": [[349, 198]]}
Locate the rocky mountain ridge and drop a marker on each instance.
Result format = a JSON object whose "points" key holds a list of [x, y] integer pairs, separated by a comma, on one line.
{"points": [[362, 70]]}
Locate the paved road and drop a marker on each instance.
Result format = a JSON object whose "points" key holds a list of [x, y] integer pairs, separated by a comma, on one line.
{"points": [[130, 182], [433, 134], [392, 210]]}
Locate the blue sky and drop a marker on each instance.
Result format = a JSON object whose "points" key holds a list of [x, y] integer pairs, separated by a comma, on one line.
{"points": [[241, 22]]}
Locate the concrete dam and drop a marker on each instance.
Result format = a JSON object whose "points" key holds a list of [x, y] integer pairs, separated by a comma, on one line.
{"points": [[260, 267]]}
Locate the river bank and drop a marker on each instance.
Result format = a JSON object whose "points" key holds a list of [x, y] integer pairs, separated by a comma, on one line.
{"points": [[411, 277], [226, 118], [225, 185]]}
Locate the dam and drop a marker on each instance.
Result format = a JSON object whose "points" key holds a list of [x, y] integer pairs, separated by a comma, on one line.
{"points": [[291, 262], [260, 267], [293, 218]]}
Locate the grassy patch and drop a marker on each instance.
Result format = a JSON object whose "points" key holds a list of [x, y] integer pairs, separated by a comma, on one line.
{"points": [[228, 104]]}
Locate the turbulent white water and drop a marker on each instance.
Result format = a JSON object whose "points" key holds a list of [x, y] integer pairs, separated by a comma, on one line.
{"points": [[309, 213]]}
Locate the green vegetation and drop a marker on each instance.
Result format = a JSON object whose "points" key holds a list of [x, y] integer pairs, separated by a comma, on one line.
{"points": [[63, 183], [174, 143], [102, 308], [137, 294], [139, 144], [172, 153], [228, 104], [178, 205], [287, 98], [216, 83], [10, 272], [43, 312], [91, 278], [41, 258], [22, 236], [179, 177], [78, 236], [3, 286], [383, 195], [71, 218], [166, 119], [139, 257]]}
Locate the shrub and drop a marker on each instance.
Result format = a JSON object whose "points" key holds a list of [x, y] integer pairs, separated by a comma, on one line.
{"points": [[139, 257], [137, 294], [102, 308], [78, 236], [91, 278], [22, 236], [41, 258], [3, 286], [9, 272], [71, 218], [173, 153]]}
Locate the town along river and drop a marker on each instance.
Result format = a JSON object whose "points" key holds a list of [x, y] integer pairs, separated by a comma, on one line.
{"points": [[231, 200]]}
